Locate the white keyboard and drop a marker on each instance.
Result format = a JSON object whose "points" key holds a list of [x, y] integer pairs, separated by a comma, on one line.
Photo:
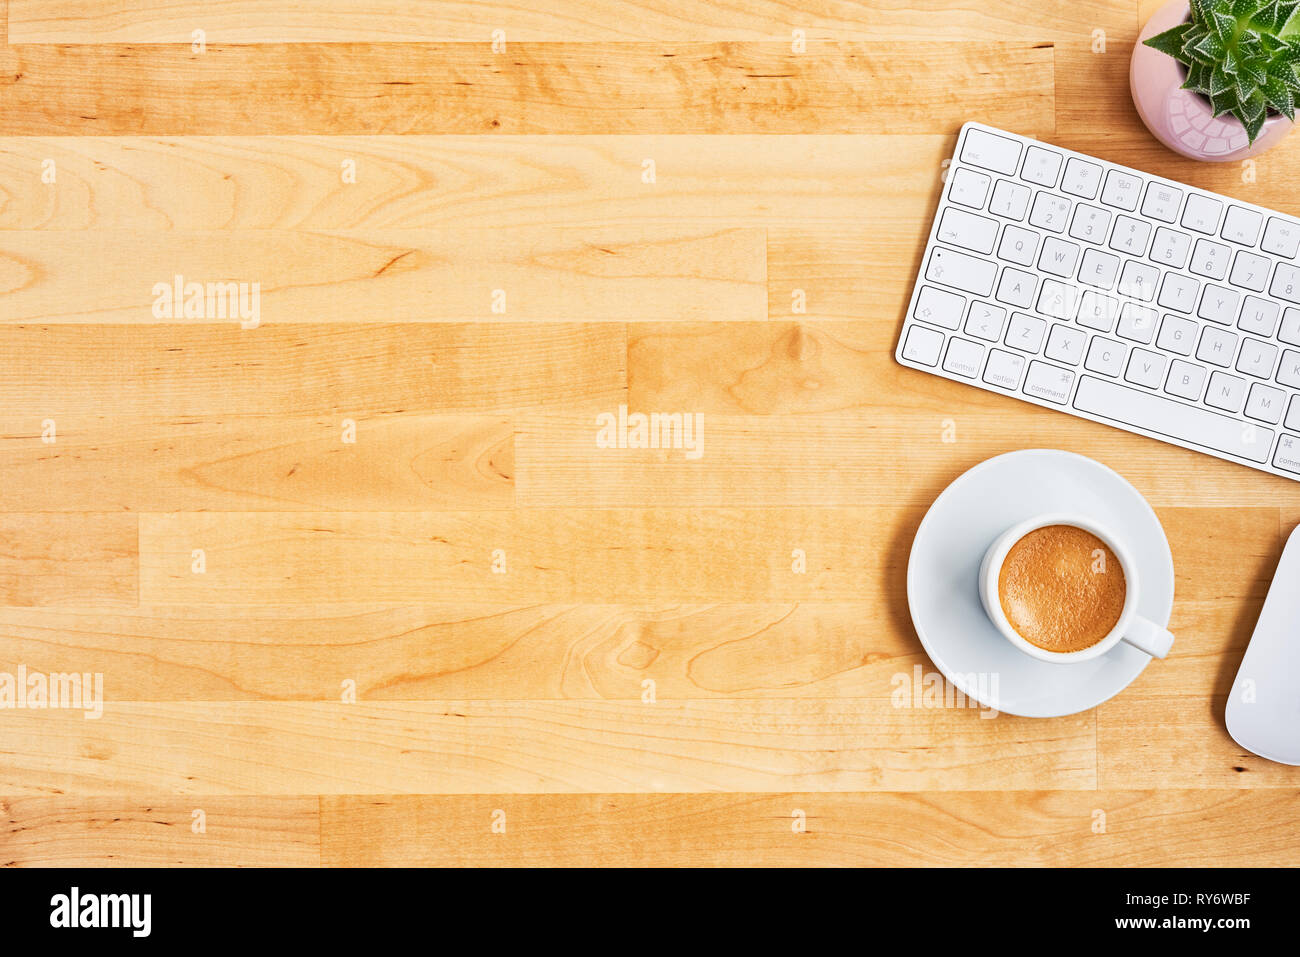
{"points": [[1146, 304]]}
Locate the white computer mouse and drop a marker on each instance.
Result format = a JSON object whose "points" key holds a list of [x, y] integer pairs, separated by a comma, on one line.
{"points": [[1264, 707]]}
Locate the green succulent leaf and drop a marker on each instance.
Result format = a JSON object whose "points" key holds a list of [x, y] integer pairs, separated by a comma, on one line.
{"points": [[1225, 25], [1279, 97], [1275, 15], [1171, 41], [1198, 79], [1202, 10]]}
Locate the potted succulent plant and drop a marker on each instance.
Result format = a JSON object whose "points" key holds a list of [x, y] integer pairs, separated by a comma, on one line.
{"points": [[1216, 79]]}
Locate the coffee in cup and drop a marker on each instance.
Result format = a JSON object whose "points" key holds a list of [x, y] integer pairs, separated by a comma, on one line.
{"points": [[1061, 588]]}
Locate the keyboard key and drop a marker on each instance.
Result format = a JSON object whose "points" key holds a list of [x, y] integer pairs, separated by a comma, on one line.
{"points": [[969, 188], [1171, 248], [1097, 311], [1010, 200], [1293, 414], [1137, 323], [1177, 335], [964, 357], [1184, 423], [1058, 257], [1098, 269], [1258, 316], [1090, 223], [1065, 344], [1281, 238], [1286, 283], [1145, 368], [1250, 271], [1130, 235], [1081, 179], [961, 271], [990, 151], [1219, 305], [1202, 213], [1042, 167], [1265, 403], [1288, 454], [1121, 190], [1162, 202], [1185, 380], [1242, 225], [1057, 300], [1025, 332], [940, 307], [1016, 288], [1003, 369], [1226, 392], [922, 345], [1138, 280], [1217, 347], [1050, 212], [1290, 331], [1049, 382], [1018, 245], [1105, 356], [1209, 259], [960, 228], [985, 321], [1178, 292], [1257, 358], [1288, 373]]}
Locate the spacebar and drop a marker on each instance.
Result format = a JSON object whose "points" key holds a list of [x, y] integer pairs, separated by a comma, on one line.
{"points": [[1183, 423]]}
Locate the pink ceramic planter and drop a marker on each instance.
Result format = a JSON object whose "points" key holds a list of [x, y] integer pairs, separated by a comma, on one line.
{"points": [[1180, 118]]}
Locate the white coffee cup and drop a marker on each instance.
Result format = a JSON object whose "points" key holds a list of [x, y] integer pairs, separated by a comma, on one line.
{"points": [[1141, 633]]}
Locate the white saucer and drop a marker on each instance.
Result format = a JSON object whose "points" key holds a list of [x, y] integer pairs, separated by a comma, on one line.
{"points": [[944, 564]]}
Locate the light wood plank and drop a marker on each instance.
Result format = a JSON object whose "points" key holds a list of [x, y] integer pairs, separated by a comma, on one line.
{"points": [[972, 829], [596, 555], [1144, 742], [391, 463], [181, 370], [385, 276], [284, 21], [539, 747], [862, 649], [548, 88], [850, 457], [833, 379], [98, 832], [417, 182], [52, 559]]}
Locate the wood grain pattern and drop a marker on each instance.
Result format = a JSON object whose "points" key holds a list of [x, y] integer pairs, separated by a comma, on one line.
{"points": [[455, 747], [690, 213], [174, 370], [531, 88], [971, 829], [62, 559], [403, 276], [394, 463], [278, 21], [596, 555], [502, 181], [264, 831]]}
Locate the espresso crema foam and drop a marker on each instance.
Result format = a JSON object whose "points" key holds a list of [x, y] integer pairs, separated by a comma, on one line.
{"points": [[1061, 588]]}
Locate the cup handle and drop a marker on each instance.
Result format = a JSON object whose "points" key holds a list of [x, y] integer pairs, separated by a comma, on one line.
{"points": [[1149, 637]]}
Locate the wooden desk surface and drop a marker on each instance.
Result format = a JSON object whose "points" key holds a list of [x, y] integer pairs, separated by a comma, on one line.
{"points": [[560, 653]]}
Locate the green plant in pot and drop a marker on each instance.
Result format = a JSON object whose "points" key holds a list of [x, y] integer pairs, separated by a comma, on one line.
{"points": [[1235, 61]]}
